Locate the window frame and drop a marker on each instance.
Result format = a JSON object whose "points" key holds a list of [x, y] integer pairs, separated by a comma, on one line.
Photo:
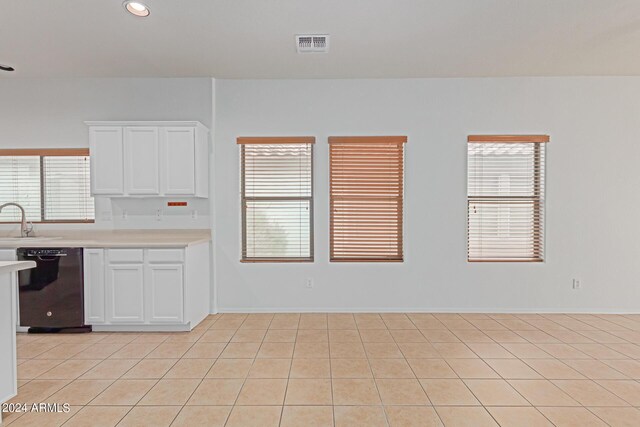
{"points": [[537, 199], [274, 140], [400, 141], [41, 153]]}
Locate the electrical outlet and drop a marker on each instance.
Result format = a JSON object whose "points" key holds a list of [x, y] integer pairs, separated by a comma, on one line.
{"points": [[159, 215], [577, 284], [125, 215], [194, 214], [309, 283]]}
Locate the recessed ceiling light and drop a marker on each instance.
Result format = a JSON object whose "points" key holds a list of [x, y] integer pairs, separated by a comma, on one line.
{"points": [[6, 68], [136, 8]]}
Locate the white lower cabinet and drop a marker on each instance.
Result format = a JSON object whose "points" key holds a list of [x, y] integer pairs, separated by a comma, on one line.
{"points": [[125, 293], [146, 289], [164, 285], [94, 292], [10, 255]]}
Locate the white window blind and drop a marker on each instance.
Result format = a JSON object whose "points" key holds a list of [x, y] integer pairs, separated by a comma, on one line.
{"points": [[277, 198], [506, 197], [366, 198], [20, 183], [52, 185], [67, 192]]}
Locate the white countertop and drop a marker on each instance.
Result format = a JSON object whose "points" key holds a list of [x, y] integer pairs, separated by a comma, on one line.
{"points": [[11, 266], [108, 239]]}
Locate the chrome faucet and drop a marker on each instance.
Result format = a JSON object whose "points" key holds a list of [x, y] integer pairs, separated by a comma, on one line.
{"points": [[24, 228]]}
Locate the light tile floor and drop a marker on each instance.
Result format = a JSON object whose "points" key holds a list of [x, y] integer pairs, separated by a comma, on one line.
{"points": [[344, 370]]}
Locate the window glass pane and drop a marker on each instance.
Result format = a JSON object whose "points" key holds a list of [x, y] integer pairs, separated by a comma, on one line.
{"points": [[504, 229], [277, 170], [278, 229], [20, 183], [507, 169], [506, 201], [366, 189], [277, 201], [366, 229], [67, 193]]}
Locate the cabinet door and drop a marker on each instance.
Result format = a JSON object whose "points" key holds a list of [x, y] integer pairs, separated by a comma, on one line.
{"points": [[94, 301], [106, 157], [141, 159], [125, 293], [165, 290], [178, 161], [10, 255]]}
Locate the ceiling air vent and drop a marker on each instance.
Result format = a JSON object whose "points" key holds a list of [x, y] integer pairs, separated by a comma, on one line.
{"points": [[312, 43]]}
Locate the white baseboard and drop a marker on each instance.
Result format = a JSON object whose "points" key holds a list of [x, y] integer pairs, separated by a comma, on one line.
{"points": [[420, 310]]}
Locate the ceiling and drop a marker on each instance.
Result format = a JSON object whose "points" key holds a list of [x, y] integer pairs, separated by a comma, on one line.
{"points": [[369, 38]]}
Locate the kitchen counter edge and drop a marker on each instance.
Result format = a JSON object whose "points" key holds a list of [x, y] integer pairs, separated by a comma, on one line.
{"points": [[63, 243], [13, 266]]}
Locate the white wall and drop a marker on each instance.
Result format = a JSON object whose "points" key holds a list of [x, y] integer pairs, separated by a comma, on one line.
{"points": [[593, 192], [593, 200], [50, 113]]}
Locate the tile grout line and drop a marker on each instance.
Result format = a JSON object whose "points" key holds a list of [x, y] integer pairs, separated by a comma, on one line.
{"points": [[593, 325], [366, 354], [467, 386], [233, 407], [418, 379]]}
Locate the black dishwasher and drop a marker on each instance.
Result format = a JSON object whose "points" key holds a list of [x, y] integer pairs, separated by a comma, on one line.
{"points": [[51, 295]]}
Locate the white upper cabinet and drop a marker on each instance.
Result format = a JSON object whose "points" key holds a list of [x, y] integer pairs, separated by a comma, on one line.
{"points": [[141, 160], [146, 159], [178, 158], [107, 160]]}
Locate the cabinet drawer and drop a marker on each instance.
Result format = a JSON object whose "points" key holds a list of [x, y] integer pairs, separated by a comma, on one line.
{"points": [[125, 255], [165, 255]]}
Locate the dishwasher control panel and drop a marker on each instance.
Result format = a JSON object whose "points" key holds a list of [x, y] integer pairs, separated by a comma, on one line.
{"points": [[44, 252]]}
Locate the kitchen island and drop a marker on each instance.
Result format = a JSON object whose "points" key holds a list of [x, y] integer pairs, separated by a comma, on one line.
{"points": [[8, 304]]}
